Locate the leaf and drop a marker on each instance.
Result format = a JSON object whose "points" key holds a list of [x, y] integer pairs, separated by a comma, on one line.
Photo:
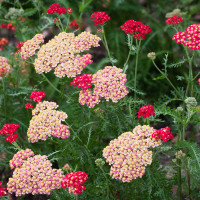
{"points": [[159, 77], [29, 12]]}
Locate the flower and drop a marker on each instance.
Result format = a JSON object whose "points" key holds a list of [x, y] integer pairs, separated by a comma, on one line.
{"points": [[2, 190], [62, 54], [84, 81], [28, 105], [129, 154], [69, 10], [191, 102], [99, 162], [74, 181], [14, 13], [34, 176], [176, 12], [19, 46], [99, 30], [66, 167], [56, 20], [4, 67], [46, 121], [37, 95], [99, 18], [138, 29], [30, 46], [163, 134], [74, 24], [8, 26], [3, 41], [151, 55], [199, 81], [179, 109], [179, 37], [146, 111], [174, 20], [55, 7], [12, 137]]}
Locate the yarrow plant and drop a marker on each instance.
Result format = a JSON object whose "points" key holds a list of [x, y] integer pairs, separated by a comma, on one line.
{"points": [[146, 111], [2, 190], [174, 20], [100, 18]]}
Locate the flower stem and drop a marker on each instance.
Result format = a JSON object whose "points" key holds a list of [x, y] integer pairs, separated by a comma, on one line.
{"points": [[107, 184], [167, 79], [106, 45], [4, 94], [129, 53], [16, 145]]}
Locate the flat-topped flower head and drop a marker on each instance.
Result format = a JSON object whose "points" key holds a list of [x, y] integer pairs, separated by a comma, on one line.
{"points": [[5, 68], [30, 46], [35, 176], [129, 154], [74, 182], [138, 29], [46, 121], [74, 24], [28, 105], [100, 18], [174, 20], [2, 190], [146, 111], [56, 8], [37, 95], [62, 54], [163, 134]]}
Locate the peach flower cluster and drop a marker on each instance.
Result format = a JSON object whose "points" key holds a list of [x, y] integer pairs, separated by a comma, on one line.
{"points": [[30, 46], [4, 67], [129, 154], [62, 54], [35, 176], [46, 122], [109, 83]]}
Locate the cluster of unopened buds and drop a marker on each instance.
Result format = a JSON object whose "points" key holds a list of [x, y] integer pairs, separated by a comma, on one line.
{"points": [[56, 8], [189, 38], [174, 20], [2, 190], [10, 131], [33, 174], [138, 29], [146, 111], [74, 181], [163, 134], [3, 41], [8, 26], [99, 18], [129, 154]]}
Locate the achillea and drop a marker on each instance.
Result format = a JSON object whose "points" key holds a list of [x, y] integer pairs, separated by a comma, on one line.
{"points": [[37, 95], [129, 154], [146, 111], [99, 18], [163, 134], [19, 46], [62, 54], [61, 131], [3, 41], [74, 181], [20, 157], [2, 190], [30, 46], [28, 105], [174, 20], [4, 67], [45, 121], [74, 24], [35, 176]]}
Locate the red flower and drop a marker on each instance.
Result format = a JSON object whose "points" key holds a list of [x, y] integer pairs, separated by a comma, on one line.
{"points": [[55, 7], [174, 20], [74, 24], [12, 138], [37, 95], [74, 181], [146, 111], [19, 46], [99, 30], [163, 133], [137, 28], [2, 190], [84, 81], [56, 20], [69, 10], [8, 26], [9, 129], [99, 18], [28, 105]]}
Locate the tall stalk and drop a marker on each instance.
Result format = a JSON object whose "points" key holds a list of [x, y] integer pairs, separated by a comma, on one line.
{"points": [[4, 97]]}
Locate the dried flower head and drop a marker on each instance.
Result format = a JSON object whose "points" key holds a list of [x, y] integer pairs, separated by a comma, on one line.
{"points": [[176, 12]]}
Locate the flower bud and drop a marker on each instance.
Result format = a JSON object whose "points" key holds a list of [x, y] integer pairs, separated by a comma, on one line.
{"points": [[191, 102], [99, 162], [151, 55], [179, 109]]}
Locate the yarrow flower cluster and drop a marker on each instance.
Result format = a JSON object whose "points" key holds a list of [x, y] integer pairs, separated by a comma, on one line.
{"points": [[146, 111], [37, 95], [163, 134], [62, 54], [74, 24], [19, 46], [129, 154], [30, 46], [34, 176], [14, 13], [74, 181], [69, 10], [4, 67], [190, 38], [99, 18], [8, 26], [46, 121], [2, 190], [174, 20], [138, 29], [84, 81], [56, 8], [3, 41], [20, 157], [10, 130], [28, 105], [108, 83]]}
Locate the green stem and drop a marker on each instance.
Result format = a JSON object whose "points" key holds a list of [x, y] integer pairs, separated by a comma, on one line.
{"points": [[167, 79], [188, 182], [106, 45], [107, 184], [196, 76], [4, 95], [53, 86], [179, 192], [16, 145], [129, 53]]}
